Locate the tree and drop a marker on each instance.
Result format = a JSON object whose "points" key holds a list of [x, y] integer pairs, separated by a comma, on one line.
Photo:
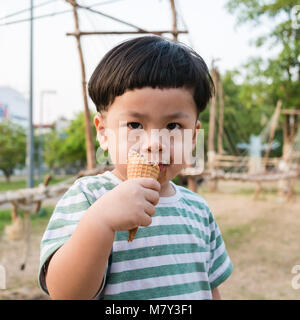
{"points": [[67, 148], [279, 75], [12, 147]]}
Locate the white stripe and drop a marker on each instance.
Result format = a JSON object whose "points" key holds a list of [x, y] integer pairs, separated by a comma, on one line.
{"points": [[158, 240], [59, 232], [199, 295], [141, 263], [220, 270], [45, 250], [179, 220], [67, 216], [163, 281], [99, 192], [72, 200]]}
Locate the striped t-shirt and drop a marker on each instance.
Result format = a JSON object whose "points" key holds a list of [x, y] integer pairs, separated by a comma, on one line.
{"points": [[181, 255]]}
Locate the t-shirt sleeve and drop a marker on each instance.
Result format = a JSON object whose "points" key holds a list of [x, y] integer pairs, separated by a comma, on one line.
{"points": [[62, 224], [220, 265]]}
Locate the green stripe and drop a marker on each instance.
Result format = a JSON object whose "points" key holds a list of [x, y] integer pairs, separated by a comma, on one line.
{"points": [[197, 204], [127, 255], [222, 277], [219, 241], [91, 199], [58, 223], [169, 229], [54, 240], [72, 192], [153, 272], [159, 292], [106, 178], [218, 262], [73, 207], [177, 212]]}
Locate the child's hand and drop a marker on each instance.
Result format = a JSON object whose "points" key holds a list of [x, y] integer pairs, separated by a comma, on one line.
{"points": [[131, 204]]}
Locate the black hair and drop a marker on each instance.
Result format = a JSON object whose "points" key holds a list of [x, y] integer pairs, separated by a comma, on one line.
{"points": [[150, 61]]}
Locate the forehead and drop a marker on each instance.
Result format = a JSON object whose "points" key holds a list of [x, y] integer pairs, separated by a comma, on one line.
{"points": [[150, 103]]}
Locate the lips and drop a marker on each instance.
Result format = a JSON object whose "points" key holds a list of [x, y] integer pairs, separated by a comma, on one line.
{"points": [[162, 166]]}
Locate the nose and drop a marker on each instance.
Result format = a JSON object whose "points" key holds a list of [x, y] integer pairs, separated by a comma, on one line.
{"points": [[154, 146]]}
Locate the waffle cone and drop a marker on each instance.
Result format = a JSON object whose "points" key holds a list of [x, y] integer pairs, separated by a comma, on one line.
{"points": [[138, 167]]}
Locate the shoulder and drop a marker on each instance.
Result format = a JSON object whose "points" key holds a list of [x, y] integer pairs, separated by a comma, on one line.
{"points": [[95, 185], [195, 201], [193, 197]]}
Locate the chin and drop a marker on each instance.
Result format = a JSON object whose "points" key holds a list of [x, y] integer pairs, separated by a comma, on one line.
{"points": [[168, 172]]}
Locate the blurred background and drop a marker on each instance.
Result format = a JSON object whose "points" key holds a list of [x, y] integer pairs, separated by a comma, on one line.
{"points": [[49, 50]]}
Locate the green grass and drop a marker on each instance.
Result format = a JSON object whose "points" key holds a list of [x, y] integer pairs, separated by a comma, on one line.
{"points": [[38, 221], [237, 235], [21, 184]]}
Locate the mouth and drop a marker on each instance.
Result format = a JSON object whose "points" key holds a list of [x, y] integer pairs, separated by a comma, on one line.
{"points": [[162, 166]]}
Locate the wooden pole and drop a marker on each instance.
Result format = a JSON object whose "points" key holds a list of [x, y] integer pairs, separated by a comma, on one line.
{"points": [[212, 118], [272, 132], [90, 151], [211, 131], [221, 114], [90, 33], [174, 18]]}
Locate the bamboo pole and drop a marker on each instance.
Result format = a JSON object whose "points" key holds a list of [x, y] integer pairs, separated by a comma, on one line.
{"points": [[90, 151], [212, 122], [156, 32], [272, 132], [211, 131], [221, 114], [39, 203], [174, 18]]}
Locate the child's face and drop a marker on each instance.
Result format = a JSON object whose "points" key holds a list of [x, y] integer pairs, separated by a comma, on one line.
{"points": [[137, 113]]}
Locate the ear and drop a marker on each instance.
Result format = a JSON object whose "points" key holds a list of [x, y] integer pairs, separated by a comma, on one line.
{"points": [[197, 127], [99, 122]]}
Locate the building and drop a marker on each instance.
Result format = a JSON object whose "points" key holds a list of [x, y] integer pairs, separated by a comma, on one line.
{"points": [[13, 106]]}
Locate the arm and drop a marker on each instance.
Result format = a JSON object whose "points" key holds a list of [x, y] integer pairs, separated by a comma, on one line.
{"points": [[216, 294], [76, 270]]}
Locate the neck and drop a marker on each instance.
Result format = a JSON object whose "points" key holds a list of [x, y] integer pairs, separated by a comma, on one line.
{"points": [[166, 189]]}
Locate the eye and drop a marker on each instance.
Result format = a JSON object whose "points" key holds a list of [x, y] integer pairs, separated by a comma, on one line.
{"points": [[173, 126], [134, 125]]}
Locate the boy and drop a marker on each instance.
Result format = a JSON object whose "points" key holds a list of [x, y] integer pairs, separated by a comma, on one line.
{"points": [[178, 253]]}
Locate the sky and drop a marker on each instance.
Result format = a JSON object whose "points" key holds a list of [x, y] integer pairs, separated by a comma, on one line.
{"points": [[213, 33]]}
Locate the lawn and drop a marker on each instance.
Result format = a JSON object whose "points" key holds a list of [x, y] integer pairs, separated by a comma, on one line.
{"points": [[21, 183]]}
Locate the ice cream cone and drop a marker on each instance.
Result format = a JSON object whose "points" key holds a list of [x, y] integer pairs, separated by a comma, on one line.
{"points": [[139, 167]]}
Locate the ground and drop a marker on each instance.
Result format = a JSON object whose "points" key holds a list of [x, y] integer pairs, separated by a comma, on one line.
{"points": [[262, 238]]}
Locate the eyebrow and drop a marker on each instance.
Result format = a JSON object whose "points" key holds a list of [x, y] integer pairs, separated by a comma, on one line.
{"points": [[176, 115]]}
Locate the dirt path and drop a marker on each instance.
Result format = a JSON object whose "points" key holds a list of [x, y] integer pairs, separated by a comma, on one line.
{"points": [[263, 241], [21, 284]]}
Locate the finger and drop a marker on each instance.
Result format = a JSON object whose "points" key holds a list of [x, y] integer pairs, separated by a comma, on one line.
{"points": [[151, 196], [146, 220], [149, 208], [149, 183]]}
